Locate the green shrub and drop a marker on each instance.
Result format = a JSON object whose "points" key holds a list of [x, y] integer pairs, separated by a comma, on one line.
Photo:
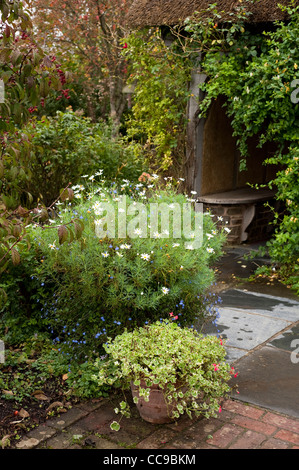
{"points": [[158, 116], [69, 145], [20, 303], [284, 247], [85, 291]]}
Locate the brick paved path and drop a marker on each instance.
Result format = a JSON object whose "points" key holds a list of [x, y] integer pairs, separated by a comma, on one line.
{"points": [[239, 426]]}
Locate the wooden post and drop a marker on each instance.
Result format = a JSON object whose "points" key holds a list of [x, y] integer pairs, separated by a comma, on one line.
{"points": [[194, 134]]}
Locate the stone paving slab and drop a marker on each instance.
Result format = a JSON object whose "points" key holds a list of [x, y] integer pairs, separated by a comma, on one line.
{"points": [[261, 303], [249, 319], [268, 377], [262, 333], [246, 330]]}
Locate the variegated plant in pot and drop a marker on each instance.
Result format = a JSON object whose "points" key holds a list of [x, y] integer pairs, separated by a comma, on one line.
{"points": [[170, 370]]}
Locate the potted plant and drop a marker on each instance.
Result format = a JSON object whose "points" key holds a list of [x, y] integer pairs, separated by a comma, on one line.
{"points": [[170, 370]]}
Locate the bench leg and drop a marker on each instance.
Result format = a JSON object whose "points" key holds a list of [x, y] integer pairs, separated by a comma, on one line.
{"points": [[248, 216]]}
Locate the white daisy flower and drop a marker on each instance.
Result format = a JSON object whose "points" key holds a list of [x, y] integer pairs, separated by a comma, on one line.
{"points": [[105, 254], [98, 211], [145, 256], [165, 290], [137, 231], [175, 245], [52, 245], [210, 250]]}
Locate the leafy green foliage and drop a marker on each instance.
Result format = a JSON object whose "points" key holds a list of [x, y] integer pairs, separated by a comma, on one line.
{"points": [[37, 366], [158, 117], [284, 248], [24, 372], [69, 145]]}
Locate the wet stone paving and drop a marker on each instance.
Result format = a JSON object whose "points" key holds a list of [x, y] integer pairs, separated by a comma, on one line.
{"points": [[262, 340]]}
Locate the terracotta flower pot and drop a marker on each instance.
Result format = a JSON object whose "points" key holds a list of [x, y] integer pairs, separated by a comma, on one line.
{"points": [[156, 410]]}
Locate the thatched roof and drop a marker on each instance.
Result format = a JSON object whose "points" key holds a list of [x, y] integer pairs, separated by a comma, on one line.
{"points": [[171, 12]]}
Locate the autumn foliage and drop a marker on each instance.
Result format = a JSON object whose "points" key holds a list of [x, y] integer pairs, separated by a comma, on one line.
{"points": [[88, 36]]}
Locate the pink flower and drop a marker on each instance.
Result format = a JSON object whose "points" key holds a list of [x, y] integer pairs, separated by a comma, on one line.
{"points": [[174, 318], [216, 367], [220, 409]]}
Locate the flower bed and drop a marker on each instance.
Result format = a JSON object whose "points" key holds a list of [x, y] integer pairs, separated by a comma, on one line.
{"points": [[82, 291]]}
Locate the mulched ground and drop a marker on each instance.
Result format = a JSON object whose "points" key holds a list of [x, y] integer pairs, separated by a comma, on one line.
{"points": [[17, 419]]}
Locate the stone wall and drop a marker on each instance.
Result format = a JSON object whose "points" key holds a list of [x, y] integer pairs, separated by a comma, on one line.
{"points": [[234, 217], [261, 227]]}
